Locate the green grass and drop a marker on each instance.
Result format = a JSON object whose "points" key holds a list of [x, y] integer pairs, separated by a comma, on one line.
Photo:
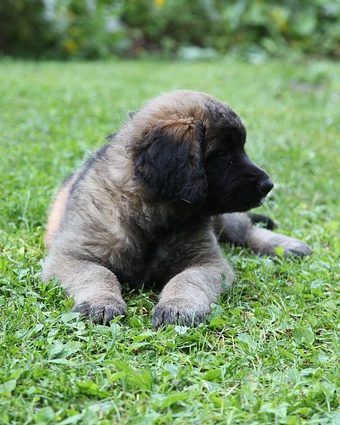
{"points": [[269, 352]]}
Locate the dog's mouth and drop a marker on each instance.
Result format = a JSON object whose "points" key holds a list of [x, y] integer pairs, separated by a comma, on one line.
{"points": [[233, 207], [244, 206], [260, 202], [240, 199]]}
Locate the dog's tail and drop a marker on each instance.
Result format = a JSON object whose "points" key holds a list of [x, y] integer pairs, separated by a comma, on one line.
{"points": [[261, 218]]}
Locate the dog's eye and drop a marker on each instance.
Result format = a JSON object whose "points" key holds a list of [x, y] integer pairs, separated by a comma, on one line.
{"points": [[226, 155], [221, 151]]}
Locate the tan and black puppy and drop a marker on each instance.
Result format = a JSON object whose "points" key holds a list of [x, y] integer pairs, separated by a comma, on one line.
{"points": [[146, 209]]}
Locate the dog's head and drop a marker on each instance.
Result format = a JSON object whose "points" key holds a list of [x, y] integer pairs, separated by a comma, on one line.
{"points": [[188, 147]]}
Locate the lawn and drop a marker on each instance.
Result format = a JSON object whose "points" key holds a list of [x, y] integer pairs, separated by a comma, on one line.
{"points": [[268, 353]]}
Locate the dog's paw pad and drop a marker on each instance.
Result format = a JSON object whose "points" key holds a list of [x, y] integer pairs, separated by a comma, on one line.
{"points": [[178, 312], [101, 312]]}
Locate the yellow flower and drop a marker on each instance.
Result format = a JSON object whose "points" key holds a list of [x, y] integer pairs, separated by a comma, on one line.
{"points": [[70, 46], [159, 3], [280, 17]]}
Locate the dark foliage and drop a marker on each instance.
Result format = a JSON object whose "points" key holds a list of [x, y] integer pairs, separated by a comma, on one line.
{"points": [[200, 29]]}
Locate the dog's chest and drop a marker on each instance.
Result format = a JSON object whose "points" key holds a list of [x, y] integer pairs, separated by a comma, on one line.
{"points": [[148, 263]]}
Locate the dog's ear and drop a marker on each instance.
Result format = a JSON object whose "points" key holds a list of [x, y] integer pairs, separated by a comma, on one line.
{"points": [[170, 161]]}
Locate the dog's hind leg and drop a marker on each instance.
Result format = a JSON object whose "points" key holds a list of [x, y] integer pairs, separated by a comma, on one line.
{"points": [[264, 241], [238, 229]]}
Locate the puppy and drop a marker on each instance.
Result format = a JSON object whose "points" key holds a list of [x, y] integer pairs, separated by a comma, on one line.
{"points": [[150, 206]]}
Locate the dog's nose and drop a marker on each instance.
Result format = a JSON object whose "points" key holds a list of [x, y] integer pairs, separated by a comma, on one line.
{"points": [[265, 186]]}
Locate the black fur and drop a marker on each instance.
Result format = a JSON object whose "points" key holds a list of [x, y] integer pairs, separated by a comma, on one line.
{"points": [[97, 155], [265, 220], [173, 168], [132, 113], [235, 184], [227, 125], [110, 137]]}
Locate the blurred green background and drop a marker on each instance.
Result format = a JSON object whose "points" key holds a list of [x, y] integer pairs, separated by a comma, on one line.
{"points": [[189, 29]]}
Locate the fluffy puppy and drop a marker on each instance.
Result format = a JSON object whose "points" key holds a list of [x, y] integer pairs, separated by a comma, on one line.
{"points": [[150, 206]]}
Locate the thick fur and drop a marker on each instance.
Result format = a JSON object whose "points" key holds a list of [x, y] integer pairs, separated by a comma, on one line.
{"points": [[150, 206]]}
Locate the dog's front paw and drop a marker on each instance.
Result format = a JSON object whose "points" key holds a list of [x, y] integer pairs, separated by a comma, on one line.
{"points": [[101, 312], [178, 311]]}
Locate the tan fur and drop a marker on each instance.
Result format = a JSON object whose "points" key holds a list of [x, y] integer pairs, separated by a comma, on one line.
{"points": [[57, 211], [117, 226]]}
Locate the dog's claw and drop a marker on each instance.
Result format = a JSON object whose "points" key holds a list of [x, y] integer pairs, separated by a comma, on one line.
{"points": [[178, 312], [100, 313]]}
